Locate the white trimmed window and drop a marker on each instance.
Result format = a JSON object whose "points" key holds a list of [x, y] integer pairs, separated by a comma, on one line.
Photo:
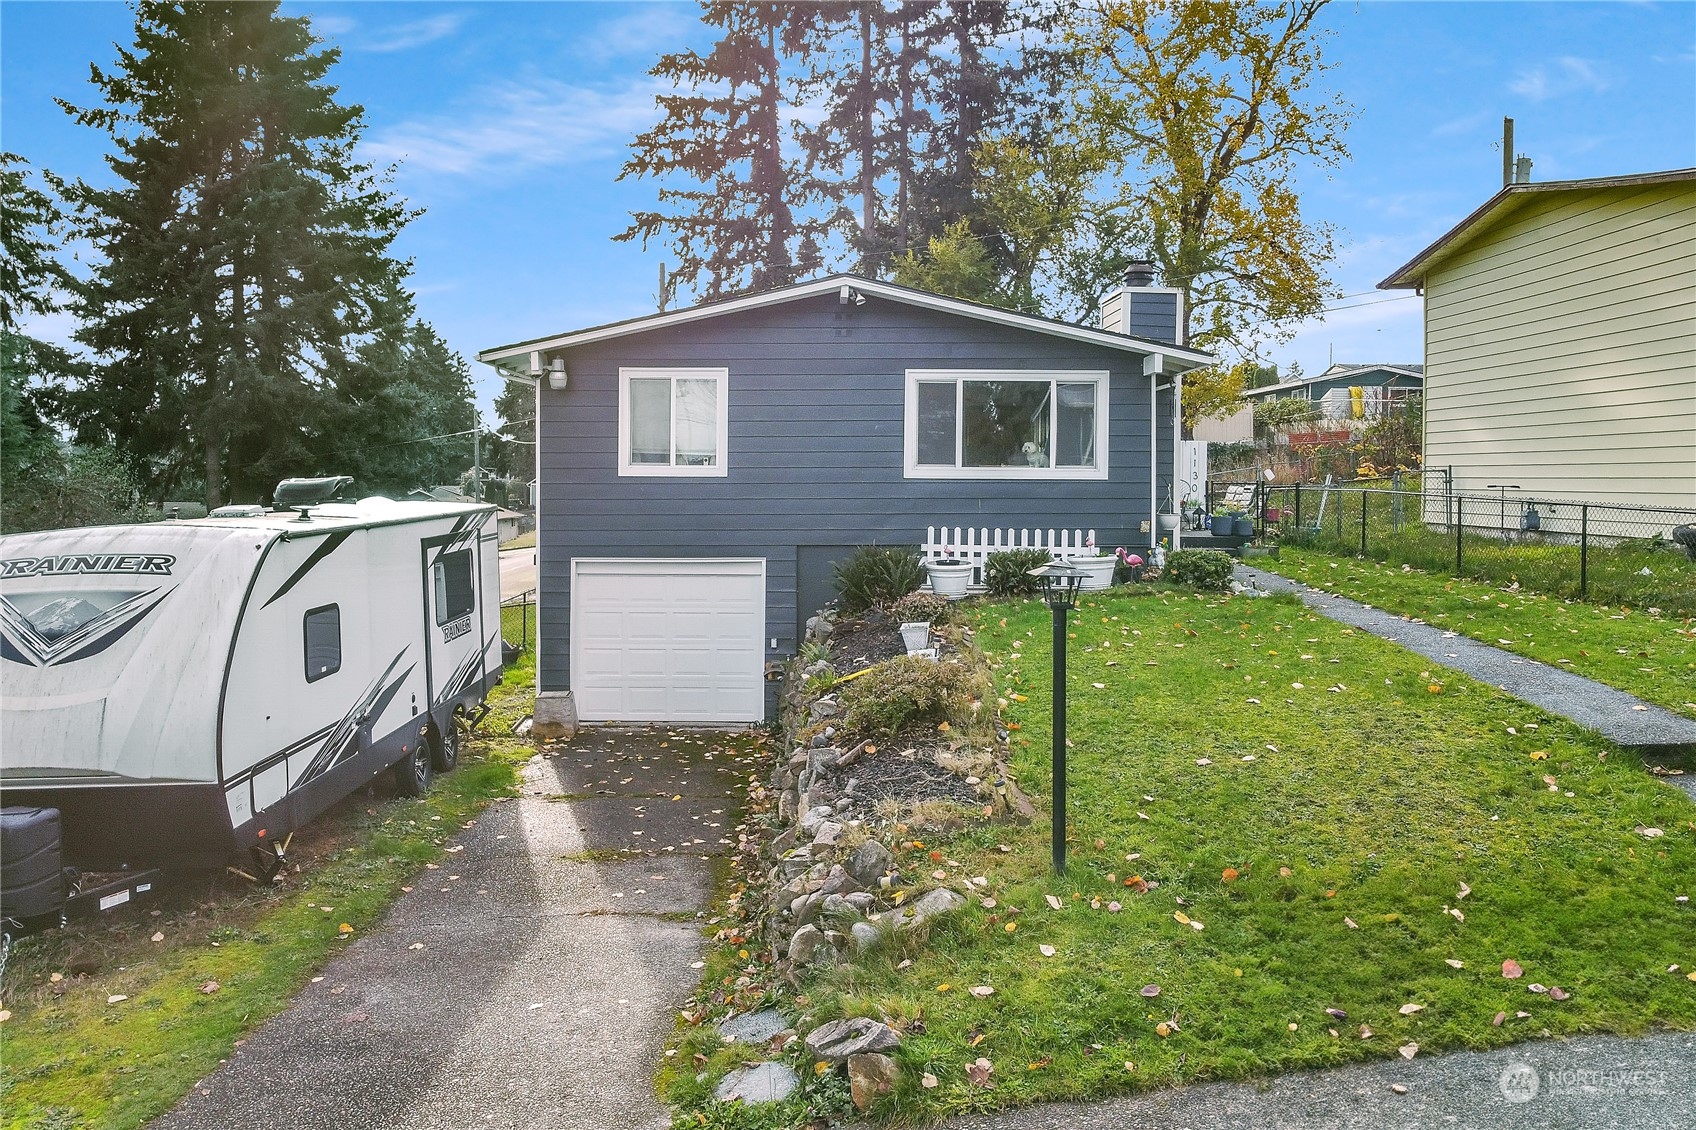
{"points": [[672, 421], [1006, 424]]}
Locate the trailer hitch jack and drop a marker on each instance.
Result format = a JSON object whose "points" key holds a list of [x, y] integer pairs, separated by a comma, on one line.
{"points": [[270, 859]]}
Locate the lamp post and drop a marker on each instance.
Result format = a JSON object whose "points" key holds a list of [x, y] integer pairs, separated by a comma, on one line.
{"points": [[1060, 589]]}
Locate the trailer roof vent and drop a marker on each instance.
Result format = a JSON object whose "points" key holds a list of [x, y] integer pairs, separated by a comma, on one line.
{"points": [[238, 511], [292, 493]]}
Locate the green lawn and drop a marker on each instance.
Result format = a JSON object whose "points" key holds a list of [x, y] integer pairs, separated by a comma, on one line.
{"points": [[74, 1060], [1315, 802], [1649, 655]]}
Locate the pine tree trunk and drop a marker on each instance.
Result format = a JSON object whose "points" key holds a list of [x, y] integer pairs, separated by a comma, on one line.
{"points": [[868, 199]]}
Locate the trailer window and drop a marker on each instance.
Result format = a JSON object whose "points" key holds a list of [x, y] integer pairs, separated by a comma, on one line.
{"points": [[454, 596], [323, 631]]}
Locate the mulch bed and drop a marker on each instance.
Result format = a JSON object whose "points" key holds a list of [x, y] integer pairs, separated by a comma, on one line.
{"points": [[904, 772], [862, 640]]}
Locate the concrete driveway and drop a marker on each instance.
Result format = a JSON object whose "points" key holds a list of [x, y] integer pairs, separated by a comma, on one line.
{"points": [[528, 980], [518, 572]]}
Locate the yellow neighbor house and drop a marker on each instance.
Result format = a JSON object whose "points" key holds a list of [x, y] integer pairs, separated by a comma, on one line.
{"points": [[1560, 341]]}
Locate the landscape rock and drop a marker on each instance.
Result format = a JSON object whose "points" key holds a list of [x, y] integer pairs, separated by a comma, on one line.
{"points": [[870, 1074], [758, 1083], [806, 908], [864, 936], [753, 1027], [804, 944], [836, 1041], [814, 817], [839, 881], [940, 901], [860, 900], [870, 862], [827, 835]]}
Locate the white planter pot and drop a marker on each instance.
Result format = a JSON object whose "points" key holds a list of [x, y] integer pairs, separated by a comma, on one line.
{"points": [[1167, 522], [1098, 572], [949, 579], [916, 635]]}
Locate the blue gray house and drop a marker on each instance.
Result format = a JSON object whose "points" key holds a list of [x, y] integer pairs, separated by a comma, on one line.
{"points": [[701, 470], [1384, 387]]}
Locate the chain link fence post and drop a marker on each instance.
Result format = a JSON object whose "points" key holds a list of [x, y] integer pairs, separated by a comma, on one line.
{"points": [[1583, 551], [1459, 526], [1364, 496]]}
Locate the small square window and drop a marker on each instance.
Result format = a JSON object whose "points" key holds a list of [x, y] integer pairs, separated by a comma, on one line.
{"points": [[672, 421], [451, 579], [322, 628]]}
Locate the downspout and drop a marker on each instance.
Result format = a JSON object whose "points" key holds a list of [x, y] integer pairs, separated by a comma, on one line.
{"points": [[1153, 456], [1177, 462]]}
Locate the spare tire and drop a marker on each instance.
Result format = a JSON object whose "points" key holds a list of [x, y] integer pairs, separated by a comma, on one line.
{"points": [[32, 871]]}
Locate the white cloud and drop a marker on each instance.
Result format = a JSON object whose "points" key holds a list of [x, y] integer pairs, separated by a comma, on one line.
{"points": [[647, 29], [518, 125], [404, 37], [333, 25], [1565, 75]]}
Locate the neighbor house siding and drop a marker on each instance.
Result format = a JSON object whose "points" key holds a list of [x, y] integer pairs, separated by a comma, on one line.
{"points": [[816, 393], [1561, 349]]}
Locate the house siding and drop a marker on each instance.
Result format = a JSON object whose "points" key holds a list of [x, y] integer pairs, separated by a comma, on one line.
{"points": [[814, 464], [1561, 349]]}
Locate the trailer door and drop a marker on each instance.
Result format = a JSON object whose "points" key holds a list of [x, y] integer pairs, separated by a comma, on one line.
{"points": [[453, 602]]}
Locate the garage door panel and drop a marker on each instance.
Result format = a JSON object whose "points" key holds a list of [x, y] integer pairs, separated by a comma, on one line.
{"points": [[669, 640]]}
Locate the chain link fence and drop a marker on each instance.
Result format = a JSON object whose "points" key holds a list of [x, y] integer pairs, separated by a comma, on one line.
{"points": [[1641, 556], [518, 620]]}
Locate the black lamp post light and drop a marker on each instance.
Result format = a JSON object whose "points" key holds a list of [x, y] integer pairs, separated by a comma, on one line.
{"points": [[1060, 589]]}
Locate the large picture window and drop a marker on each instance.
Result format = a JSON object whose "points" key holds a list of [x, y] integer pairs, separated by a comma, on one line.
{"points": [[672, 421], [1006, 424]]}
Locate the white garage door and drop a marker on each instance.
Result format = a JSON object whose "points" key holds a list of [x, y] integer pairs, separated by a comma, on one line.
{"points": [[668, 640]]}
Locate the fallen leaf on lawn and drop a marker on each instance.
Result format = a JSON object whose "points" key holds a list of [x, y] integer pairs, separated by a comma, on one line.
{"points": [[1366, 1032], [1650, 833], [1047, 951], [1435, 688], [1151, 990], [454, 848], [821, 1067], [1539, 755], [344, 928], [1522, 1015], [927, 1081], [1556, 993], [1455, 911], [1534, 987], [1195, 924], [1137, 884], [1180, 916], [981, 991], [1095, 902], [5, 1015], [1454, 962], [1129, 1066], [210, 986], [1496, 1022], [1294, 1026], [1336, 1014], [1409, 1050], [944, 987], [1229, 874], [1053, 901], [977, 1038], [158, 937], [978, 1073], [116, 998], [1410, 1008], [1163, 1029], [1114, 908], [57, 977], [1039, 1064], [416, 946], [1463, 892], [1511, 969], [1284, 872], [1203, 761], [1350, 923], [1099, 686], [1010, 927], [988, 904]]}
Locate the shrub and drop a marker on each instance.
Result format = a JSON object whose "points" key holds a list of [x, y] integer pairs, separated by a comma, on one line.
{"points": [[907, 691], [1199, 568], [876, 576], [922, 605], [1007, 573]]}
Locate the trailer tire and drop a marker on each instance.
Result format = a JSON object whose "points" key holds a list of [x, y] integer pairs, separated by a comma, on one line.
{"points": [[444, 745], [413, 772]]}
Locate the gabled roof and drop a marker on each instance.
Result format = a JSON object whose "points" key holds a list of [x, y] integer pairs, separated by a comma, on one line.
{"points": [[1412, 275], [1338, 372], [517, 355]]}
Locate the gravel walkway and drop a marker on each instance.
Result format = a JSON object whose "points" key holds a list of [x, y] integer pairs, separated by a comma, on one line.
{"points": [[1612, 713]]}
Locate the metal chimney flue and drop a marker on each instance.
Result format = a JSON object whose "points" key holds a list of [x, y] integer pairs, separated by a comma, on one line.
{"points": [[1507, 152], [1139, 272], [1522, 171]]}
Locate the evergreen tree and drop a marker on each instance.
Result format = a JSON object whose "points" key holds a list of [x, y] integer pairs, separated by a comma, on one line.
{"points": [[30, 369], [245, 251], [513, 448]]}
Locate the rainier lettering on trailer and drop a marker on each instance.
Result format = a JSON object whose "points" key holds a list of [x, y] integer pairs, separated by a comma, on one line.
{"points": [[68, 564]]}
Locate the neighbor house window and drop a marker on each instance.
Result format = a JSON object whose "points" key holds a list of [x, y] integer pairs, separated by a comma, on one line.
{"points": [[1006, 424], [323, 630], [672, 421], [451, 579]]}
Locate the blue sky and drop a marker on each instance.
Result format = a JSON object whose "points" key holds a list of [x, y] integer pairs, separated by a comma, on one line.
{"points": [[510, 121]]}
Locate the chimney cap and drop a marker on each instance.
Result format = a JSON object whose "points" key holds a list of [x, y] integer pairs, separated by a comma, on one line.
{"points": [[1139, 272]]}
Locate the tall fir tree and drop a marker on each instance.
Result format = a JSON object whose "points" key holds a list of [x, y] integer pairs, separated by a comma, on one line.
{"points": [[245, 250]]}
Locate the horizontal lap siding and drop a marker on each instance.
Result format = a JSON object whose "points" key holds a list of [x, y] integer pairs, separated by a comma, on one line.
{"points": [[816, 395], [1561, 349]]}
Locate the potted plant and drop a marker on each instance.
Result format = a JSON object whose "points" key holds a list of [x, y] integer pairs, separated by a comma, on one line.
{"points": [[1167, 519], [1097, 566], [915, 634], [949, 577], [1223, 523], [1243, 526]]}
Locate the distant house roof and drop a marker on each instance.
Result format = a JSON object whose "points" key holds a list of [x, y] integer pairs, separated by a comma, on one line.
{"points": [[511, 356], [1509, 199], [1338, 372]]}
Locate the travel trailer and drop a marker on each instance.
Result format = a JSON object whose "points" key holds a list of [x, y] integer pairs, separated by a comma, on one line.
{"points": [[183, 691]]}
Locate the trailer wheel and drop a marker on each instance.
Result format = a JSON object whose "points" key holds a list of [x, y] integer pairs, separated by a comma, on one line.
{"points": [[444, 745], [412, 772]]}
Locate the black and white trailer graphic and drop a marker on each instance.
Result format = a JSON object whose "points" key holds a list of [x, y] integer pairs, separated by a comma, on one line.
{"points": [[184, 691]]}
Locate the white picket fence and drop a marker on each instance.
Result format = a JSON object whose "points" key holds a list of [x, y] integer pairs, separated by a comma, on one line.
{"points": [[975, 544]]}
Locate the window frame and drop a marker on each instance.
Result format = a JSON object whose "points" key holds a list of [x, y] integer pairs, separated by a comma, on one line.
{"points": [[306, 642], [442, 611], [716, 470], [913, 469]]}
